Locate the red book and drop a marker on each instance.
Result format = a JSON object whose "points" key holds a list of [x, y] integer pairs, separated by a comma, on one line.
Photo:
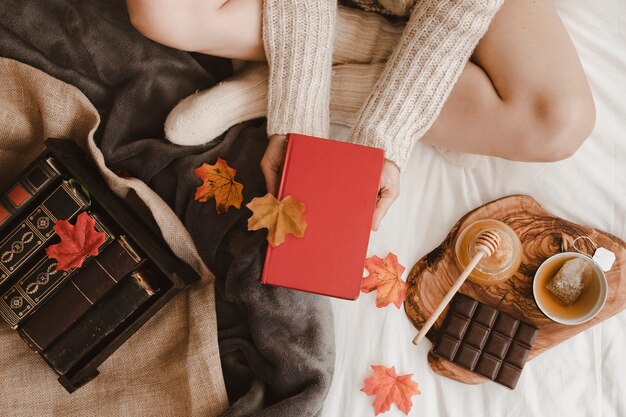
{"points": [[338, 184]]}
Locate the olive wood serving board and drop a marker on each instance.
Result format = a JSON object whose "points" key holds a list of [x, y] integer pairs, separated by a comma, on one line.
{"points": [[542, 235]]}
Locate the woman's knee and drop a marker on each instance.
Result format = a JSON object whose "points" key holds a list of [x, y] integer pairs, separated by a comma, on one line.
{"points": [[567, 124], [167, 22], [558, 127]]}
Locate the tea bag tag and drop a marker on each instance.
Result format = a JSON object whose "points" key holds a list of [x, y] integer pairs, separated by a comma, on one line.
{"points": [[605, 258]]}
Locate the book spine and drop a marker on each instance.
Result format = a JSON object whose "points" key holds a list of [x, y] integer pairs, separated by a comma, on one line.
{"points": [[98, 323], [75, 298], [34, 180], [283, 178], [31, 291], [23, 242]]}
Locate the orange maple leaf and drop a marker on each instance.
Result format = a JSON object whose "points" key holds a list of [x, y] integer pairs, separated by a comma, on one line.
{"points": [[385, 277], [390, 388], [279, 217], [77, 242], [219, 183]]}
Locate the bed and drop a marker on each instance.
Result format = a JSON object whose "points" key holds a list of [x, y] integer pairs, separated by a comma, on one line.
{"points": [[584, 375], [581, 377]]}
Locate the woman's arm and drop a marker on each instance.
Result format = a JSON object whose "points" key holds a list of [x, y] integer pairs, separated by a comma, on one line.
{"points": [[433, 50], [298, 37]]}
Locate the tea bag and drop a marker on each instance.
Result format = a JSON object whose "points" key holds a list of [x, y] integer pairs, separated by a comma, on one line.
{"points": [[568, 284]]}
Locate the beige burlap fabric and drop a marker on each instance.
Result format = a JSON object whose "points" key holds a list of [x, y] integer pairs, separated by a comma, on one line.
{"points": [[170, 367]]}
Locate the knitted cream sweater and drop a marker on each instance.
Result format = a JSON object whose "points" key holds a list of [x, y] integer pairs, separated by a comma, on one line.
{"points": [[437, 42]]}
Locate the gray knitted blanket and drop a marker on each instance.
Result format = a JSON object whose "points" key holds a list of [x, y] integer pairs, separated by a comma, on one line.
{"points": [[276, 345]]}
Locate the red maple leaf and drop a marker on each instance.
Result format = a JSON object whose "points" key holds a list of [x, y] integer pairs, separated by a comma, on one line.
{"points": [[77, 242], [385, 277], [390, 388], [218, 181]]}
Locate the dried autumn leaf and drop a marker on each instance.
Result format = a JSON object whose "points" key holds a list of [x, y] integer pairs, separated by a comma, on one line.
{"points": [[77, 242], [390, 388], [279, 217], [385, 278], [219, 183]]}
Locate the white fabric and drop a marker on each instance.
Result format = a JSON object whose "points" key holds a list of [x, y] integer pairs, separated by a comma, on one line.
{"points": [[583, 376]]}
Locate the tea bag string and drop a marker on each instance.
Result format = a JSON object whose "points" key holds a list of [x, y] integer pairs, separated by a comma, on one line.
{"points": [[602, 256], [590, 240]]}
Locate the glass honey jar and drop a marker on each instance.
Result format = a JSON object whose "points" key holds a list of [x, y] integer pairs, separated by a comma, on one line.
{"points": [[496, 268]]}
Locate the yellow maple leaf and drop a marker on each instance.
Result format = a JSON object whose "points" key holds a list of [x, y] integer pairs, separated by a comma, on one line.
{"points": [[279, 217], [218, 181]]}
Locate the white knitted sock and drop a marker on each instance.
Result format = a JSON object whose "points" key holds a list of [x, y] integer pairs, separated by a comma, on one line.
{"points": [[364, 37], [204, 116]]}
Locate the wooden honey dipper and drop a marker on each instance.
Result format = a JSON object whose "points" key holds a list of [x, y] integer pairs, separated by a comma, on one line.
{"points": [[486, 244]]}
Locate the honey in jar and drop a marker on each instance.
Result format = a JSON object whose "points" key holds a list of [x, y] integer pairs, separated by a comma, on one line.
{"points": [[496, 268]]}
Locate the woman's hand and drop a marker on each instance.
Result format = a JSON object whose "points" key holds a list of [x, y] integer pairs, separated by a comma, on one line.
{"points": [[272, 164], [388, 191]]}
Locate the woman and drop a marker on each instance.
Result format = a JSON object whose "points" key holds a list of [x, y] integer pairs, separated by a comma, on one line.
{"points": [[489, 77]]}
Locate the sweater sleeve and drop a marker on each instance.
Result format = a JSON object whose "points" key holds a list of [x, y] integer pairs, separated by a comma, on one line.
{"points": [[437, 42], [298, 37]]}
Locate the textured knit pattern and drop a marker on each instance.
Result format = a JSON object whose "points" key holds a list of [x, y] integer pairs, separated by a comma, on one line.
{"points": [[435, 46], [437, 42], [298, 38], [364, 38]]}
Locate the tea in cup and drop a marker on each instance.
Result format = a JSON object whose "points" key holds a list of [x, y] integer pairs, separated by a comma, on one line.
{"points": [[570, 294]]}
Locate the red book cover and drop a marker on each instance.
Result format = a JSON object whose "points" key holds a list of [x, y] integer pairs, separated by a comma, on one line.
{"points": [[338, 184]]}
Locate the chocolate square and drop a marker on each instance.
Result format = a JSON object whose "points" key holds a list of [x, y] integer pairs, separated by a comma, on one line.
{"points": [[497, 345], [476, 335], [508, 375], [446, 347], [526, 334], [506, 325], [464, 305], [467, 356], [517, 355], [487, 366], [456, 326], [485, 315]]}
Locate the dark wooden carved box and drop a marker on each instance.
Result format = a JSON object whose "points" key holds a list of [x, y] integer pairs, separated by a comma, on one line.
{"points": [[82, 344]]}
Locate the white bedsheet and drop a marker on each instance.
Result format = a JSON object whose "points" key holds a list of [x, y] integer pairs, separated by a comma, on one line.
{"points": [[586, 375]]}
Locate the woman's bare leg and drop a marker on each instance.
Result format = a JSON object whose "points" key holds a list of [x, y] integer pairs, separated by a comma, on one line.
{"points": [[226, 28], [524, 96]]}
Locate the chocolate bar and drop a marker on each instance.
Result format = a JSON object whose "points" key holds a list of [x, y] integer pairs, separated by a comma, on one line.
{"points": [[87, 287], [38, 284], [37, 229], [485, 341], [100, 321], [34, 180]]}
